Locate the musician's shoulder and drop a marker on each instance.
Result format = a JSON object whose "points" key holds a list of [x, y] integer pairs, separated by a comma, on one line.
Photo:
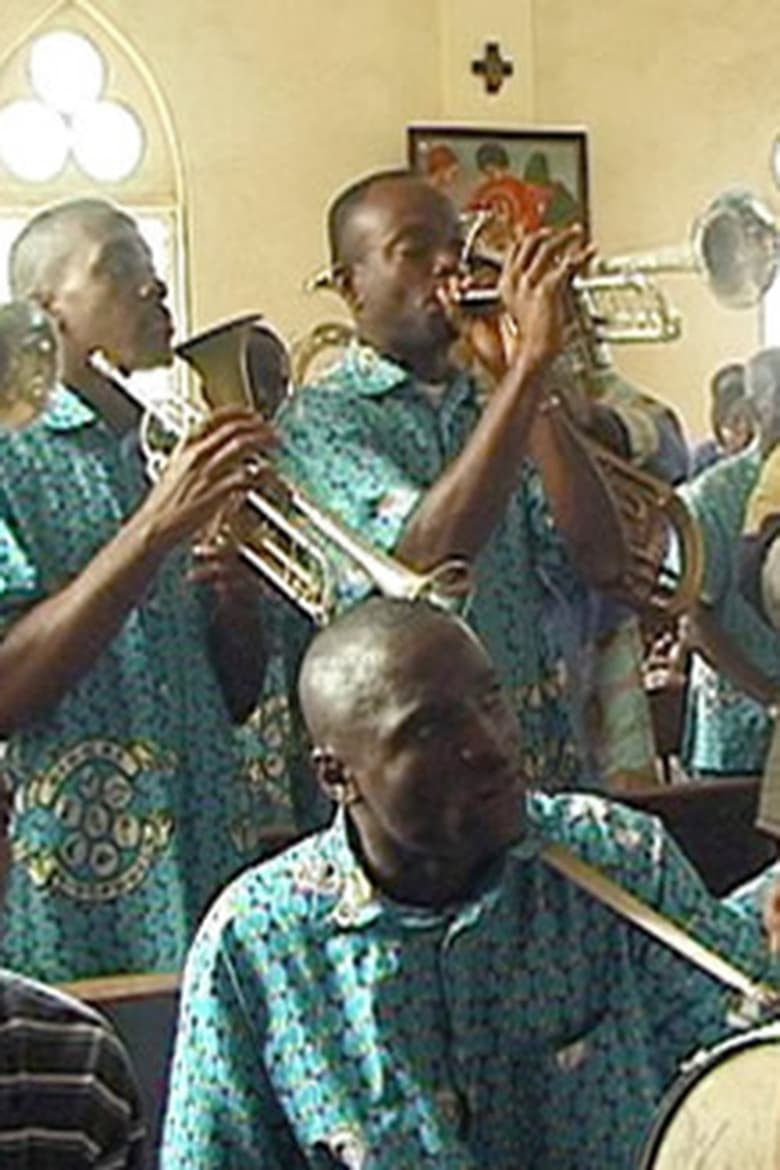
{"points": [[596, 827]]}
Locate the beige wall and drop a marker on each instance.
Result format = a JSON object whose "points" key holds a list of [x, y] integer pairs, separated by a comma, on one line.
{"points": [[465, 27], [278, 102]]}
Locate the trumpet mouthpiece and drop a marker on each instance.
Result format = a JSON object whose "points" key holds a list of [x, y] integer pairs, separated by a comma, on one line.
{"points": [[479, 300]]}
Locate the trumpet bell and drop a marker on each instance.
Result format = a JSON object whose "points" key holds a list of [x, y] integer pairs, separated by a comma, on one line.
{"points": [[242, 362], [735, 243], [29, 362]]}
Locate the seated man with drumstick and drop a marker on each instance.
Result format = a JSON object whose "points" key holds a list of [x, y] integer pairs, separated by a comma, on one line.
{"points": [[431, 981], [115, 698]]}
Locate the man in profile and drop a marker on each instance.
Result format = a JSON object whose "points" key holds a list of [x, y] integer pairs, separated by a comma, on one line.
{"points": [[120, 680]]}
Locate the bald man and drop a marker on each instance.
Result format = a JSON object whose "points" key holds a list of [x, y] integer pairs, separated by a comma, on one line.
{"points": [[119, 678], [416, 985]]}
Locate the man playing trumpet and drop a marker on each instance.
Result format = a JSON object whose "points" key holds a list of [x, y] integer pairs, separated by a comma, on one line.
{"points": [[121, 749], [394, 440]]}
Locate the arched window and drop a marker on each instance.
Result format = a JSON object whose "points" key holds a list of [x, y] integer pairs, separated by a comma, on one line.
{"points": [[81, 114]]}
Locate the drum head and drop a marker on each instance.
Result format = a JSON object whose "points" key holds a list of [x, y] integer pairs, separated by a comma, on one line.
{"points": [[724, 1111]]}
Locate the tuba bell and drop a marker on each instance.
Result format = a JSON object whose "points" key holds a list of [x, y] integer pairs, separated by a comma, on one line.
{"points": [[298, 547]]}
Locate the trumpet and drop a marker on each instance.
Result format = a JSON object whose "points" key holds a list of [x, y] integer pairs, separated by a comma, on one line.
{"points": [[734, 244], [29, 362], [296, 545]]}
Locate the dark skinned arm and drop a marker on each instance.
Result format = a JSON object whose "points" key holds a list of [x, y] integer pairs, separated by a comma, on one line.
{"points": [[581, 501], [238, 652], [463, 507], [236, 638], [55, 643], [460, 511]]}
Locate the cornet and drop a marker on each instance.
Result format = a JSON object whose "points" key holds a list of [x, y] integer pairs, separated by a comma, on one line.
{"points": [[299, 547]]}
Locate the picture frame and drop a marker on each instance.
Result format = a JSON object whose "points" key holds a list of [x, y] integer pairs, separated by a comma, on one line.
{"points": [[533, 177]]}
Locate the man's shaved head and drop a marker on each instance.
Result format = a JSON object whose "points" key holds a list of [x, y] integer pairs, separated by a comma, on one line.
{"points": [[415, 739], [343, 212], [42, 249], [345, 669]]}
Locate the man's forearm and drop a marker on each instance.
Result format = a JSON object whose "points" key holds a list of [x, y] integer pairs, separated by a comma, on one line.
{"points": [[52, 646], [581, 501], [460, 511], [239, 654]]}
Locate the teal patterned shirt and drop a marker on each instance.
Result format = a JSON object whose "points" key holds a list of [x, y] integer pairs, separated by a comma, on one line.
{"points": [[726, 731], [323, 1025], [368, 444], [132, 807]]}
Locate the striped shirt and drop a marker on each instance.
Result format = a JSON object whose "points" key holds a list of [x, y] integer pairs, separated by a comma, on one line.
{"points": [[68, 1095]]}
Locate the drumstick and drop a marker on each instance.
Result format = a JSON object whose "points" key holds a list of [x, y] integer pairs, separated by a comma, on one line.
{"points": [[650, 920]]}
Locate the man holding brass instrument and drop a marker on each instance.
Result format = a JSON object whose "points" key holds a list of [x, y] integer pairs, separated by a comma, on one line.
{"points": [[395, 442], [115, 701]]}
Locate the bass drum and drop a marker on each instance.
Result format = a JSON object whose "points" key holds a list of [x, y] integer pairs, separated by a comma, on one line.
{"points": [[723, 1112]]}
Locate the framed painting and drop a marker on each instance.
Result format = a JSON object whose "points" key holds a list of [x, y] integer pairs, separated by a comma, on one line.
{"points": [[526, 177]]}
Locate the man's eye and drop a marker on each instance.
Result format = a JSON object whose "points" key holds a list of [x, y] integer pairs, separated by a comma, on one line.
{"points": [[428, 729], [425, 731], [413, 251]]}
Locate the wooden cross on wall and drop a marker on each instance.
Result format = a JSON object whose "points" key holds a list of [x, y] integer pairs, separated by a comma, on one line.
{"points": [[492, 67]]}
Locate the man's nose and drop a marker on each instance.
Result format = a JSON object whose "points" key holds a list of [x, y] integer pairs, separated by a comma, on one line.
{"points": [[482, 741]]}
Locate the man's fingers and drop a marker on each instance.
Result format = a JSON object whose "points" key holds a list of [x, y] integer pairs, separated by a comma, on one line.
{"points": [[545, 254], [237, 428]]}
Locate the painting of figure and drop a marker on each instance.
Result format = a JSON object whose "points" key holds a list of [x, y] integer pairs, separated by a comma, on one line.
{"points": [[524, 178]]}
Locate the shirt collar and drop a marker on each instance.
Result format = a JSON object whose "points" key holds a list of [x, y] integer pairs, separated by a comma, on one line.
{"points": [[68, 412], [372, 374], [335, 871]]}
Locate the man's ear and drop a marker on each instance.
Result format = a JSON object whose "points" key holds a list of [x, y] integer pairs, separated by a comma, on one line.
{"points": [[332, 776], [49, 301], [347, 283]]}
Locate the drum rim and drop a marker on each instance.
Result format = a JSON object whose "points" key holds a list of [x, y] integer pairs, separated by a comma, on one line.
{"points": [[691, 1071]]}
